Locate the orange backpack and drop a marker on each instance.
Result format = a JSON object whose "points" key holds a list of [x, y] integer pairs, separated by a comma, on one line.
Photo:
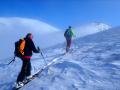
{"points": [[19, 48]]}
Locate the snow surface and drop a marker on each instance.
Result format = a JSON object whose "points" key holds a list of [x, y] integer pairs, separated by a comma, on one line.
{"points": [[14, 28], [45, 35], [25, 25], [90, 28], [93, 64]]}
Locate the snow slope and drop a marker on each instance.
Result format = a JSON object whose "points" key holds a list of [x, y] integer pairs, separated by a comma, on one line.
{"points": [[25, 25], [14, 28], [91, 28], [93, 64], [45, 35]]}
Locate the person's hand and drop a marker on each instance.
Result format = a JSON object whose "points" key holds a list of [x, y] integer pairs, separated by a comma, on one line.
{"points": [[38, 49]]}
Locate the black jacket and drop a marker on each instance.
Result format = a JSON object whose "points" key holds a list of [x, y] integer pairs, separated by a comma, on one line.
{"points": [[29, 47]]}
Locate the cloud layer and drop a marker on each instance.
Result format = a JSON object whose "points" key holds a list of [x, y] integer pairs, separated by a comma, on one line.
{"points": [[14, 28]]}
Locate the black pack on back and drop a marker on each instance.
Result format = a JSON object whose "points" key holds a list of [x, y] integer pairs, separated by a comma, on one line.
{"points": [[67, 33], [17, 47]]}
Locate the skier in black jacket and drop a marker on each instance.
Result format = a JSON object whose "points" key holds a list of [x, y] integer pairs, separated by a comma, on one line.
{"points": [[68, 35], [26, 66]]}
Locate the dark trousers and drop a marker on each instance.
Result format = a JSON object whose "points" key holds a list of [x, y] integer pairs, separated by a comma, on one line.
{"points": [[25, 70], [68, 44]]}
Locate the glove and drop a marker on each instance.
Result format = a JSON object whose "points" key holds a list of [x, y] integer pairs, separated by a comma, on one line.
{"points": [[38, 49]]}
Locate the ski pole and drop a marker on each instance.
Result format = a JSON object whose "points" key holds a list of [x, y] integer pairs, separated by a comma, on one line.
{"points": [[43, 57], [11, 61], [45, 60]]}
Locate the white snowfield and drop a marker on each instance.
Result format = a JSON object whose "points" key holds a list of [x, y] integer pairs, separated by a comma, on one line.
{"points": [[45, 35], [14, 28], [90, 28], [93, 64], [23, 25]]}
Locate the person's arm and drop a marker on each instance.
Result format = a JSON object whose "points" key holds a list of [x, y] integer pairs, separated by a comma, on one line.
{"points": [[73, 34], [65, 33], [34, 48]]}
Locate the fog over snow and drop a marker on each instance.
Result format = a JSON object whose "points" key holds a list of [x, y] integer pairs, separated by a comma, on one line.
{"points": [[90, 28], [14, 28], [92, 64], [45, 35]]}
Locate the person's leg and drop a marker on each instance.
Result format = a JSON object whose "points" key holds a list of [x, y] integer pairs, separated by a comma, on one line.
{"points": [[22, 74], [28, 70], [68, 45]]}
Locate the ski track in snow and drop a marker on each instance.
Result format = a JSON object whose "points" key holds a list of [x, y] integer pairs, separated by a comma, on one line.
{"points": [[90, 66]]}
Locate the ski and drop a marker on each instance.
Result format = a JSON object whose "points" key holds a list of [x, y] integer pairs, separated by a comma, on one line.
{"points": [[27, 81], [40, 71]]}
